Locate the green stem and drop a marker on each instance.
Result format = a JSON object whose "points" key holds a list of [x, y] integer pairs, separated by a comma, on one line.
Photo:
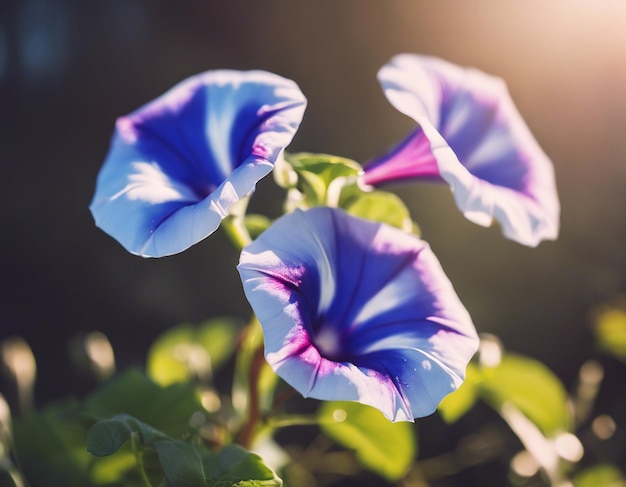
{"points": [[134, 441], [246, 435], [235, 228], [292, 420], [235, 225]]}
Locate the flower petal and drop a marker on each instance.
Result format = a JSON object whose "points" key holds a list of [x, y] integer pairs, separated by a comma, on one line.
{"points": [[356, 310], [178, 164], [470, 135]]}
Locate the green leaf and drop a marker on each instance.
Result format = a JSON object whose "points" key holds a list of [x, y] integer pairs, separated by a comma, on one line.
{"points": [[456, 404], [321, 176], [166, 408], [532, 388], [108, 435], [51, 448], [380, 206], [381, 446], [610, 331], [603, 475], [189, 465], [187, 352], [184, 464]]}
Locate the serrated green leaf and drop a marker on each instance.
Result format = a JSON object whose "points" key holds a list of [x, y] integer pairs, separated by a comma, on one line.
{"points": [[604, 475], [189, 465], [531, 387], [381, 446], [187, 352], [610, 331], [380, 206], [459, 402]]}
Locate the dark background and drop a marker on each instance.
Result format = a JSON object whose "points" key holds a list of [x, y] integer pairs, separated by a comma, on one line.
{"points": [[69, 68]]}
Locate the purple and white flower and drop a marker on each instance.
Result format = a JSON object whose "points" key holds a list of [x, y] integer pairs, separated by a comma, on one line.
{"points": [[471, 136], [356, 310], [177, 165]]}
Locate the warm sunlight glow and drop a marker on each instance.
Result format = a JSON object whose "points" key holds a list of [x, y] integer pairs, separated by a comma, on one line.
{"points": [[490, 351], [591, 373], [100, 353], [339, 415], [538, 445], [19, 363], [524, 464], [195, 357], [604, 427], [210, 400], [19, 360], [569, 447], [5, 414]]}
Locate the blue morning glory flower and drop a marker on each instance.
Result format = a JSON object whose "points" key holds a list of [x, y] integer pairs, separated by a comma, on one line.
{"points": [[178, 164], [471, 136], [359, 311]]}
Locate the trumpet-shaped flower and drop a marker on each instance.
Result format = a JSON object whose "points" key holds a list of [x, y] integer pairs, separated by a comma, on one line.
{"points": [[176, 165], [356, 310], [471, 136]]}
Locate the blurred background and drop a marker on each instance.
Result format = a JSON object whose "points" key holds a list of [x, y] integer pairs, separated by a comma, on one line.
{"points": [[69, 68]]}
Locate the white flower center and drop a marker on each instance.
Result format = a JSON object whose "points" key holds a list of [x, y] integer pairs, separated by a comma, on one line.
{"points": [[328, 343]]}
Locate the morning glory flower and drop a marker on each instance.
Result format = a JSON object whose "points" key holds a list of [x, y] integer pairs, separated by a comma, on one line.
{"points": [[471, 136], [177, 165], [359, 311]]}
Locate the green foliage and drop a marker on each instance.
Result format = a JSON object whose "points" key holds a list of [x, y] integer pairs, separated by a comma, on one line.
{"points": [[256, 224], [459, 402], [532, 388], [381, 446], [117, 469], [189, 465], [156, 419], [603, 475], [610, 331], [166, 408], [380, 206], [320, 177], [51, 444], [188, 352], [108, 435], [51, 447], [520, 381], [184, 464]]}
